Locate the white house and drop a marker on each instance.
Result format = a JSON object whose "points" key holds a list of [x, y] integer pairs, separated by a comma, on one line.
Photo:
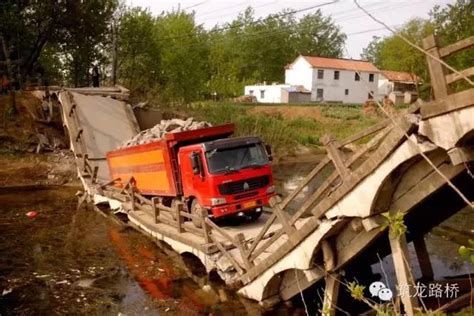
{"points": [[334, 79], [398, 86], [266, 93]]}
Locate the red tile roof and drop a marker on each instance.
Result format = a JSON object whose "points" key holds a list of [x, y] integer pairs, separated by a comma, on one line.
{"points": [[340, 63], [400, 76]]}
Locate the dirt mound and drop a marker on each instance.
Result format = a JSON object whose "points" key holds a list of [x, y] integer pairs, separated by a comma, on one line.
{"points": [[20, 124], [288, 112]]}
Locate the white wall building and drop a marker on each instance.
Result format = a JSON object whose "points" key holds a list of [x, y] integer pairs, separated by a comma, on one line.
{"points": [[398, 86], [266, 93], [334, 79]]}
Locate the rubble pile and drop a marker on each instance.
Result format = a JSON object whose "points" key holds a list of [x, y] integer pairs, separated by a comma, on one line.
{"points": [[164, 127]]}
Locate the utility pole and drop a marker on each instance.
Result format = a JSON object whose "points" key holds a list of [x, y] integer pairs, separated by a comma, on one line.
{"points": [[114, 52]]}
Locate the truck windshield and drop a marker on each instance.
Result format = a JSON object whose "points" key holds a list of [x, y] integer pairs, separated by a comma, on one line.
{"points": [[234, 159]]}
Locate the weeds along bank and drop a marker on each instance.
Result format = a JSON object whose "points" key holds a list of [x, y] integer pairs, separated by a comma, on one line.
{"points": [[286, 127]]}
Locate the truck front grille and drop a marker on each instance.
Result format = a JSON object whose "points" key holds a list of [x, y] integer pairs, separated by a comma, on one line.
{"points": [[244, 185]]}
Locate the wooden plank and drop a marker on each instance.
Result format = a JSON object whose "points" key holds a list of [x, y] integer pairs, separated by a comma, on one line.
{"points": [[234, 262], [333, 152], [405, 279], [453, 102], [240, 243], [254, 255], [205, 225], [423, 258], [323, 163], [437, 71], [366, 132], [262, 233], [179, 218], [282, 217], [331, 294], [222, 232], [460, 45], [156, 211], [384, 150], [453, 77], [329, 256]]}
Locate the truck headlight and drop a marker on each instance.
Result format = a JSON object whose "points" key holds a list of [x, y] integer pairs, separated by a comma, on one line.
{"points": [[218, 201], [271, 189]]}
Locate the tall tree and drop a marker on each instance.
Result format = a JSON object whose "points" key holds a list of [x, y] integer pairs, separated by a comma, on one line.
{"points": [[139, 54], [77, 28]]}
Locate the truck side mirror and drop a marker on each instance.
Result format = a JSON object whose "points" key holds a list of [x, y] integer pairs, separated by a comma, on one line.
{"points": [[269, 152]]}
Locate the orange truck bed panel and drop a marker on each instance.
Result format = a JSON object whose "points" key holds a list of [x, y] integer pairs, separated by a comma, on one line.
{"points": [[148, 164]]}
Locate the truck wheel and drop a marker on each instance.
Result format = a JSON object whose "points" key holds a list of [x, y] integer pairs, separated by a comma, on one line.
{"points": [[196, 210], [254, 215]]}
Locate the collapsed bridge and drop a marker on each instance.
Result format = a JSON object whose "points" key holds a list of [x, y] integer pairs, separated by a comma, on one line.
{"points": [[404, 165]]}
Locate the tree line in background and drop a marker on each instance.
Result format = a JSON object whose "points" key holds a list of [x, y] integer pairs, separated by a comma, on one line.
{"points": [[171, 56]]}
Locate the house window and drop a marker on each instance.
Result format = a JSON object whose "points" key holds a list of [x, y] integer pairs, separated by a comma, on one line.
{"points": [[262, 94], [251, 92], [357, 77], [319, 93], [320, 74], [371, 95], [371, 77], [336, 75], [346, 92]]}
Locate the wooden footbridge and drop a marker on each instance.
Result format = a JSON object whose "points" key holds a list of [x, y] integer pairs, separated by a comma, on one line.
{"points": [[284, 253]]}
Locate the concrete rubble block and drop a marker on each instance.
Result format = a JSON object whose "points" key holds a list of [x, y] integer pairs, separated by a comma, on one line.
{"points": [[159, 131]]}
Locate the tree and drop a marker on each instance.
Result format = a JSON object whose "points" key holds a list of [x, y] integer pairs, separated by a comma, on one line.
{"points": [[454, 23], [76, 28], [393, 53], [184, 56], [139, 54]]}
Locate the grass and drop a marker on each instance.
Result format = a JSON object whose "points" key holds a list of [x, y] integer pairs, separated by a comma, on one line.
{"points": [[285, 134]]}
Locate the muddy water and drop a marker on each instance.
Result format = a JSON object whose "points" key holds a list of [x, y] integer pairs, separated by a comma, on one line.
{"points": [[65, 261]]}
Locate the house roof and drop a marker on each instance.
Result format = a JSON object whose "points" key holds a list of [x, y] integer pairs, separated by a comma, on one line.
{"points": [[340, 63], [400, 76]]}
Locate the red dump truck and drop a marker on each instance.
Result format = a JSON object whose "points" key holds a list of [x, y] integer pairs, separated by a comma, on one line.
{"points": [[202, 168]]}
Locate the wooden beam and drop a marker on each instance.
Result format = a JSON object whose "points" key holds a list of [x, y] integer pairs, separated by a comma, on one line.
{"points": [[460, 45], [453, 77], [331, 294], [179, 219], [423, 258], [366, 132], [282, 217], [329, 256], [405, 280], [331, 145], [156, 210], [453, 102], [323, 163], [437, 71]]}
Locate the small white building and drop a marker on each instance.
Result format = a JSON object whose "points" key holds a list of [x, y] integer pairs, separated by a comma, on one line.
{"points": [[334, 79], [266, 93], [398, 86]]}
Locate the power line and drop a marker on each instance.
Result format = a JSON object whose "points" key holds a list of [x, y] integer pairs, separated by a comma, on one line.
{"points": [[238, 25], [195, 5], [414, 45]]}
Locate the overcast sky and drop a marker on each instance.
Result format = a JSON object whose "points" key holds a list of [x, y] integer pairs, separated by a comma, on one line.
{"points": [[358, 27]]}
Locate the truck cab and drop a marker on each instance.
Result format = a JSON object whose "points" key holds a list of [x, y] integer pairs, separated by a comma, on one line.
{"points": [[227, 176]]}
